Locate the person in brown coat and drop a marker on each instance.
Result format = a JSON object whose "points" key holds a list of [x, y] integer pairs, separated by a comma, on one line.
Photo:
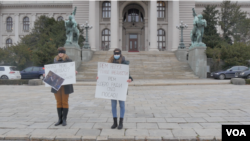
{"points": [[62, 95]]}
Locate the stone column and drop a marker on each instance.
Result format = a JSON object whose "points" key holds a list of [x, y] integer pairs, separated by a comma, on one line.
{"points": [[114, 25], [97, 26], [1, 35], [146, 35], [170, 29], [153, 26], [33, 19], [175, 22], [16, 27], [92, 22]]}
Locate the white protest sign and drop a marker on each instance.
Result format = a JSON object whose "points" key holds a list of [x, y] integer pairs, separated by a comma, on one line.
{"points": [[65, 70], [112, 82]]}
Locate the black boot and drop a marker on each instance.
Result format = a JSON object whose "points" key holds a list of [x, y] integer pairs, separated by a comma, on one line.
{"points": [[65, 113], [60, 115], [115, 123], [120, 123]]}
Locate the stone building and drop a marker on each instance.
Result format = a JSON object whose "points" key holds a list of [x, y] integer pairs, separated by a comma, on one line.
{"points": [[130, 25]]}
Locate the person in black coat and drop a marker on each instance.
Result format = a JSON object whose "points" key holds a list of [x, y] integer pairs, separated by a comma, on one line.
{"points": [[62, 95]]}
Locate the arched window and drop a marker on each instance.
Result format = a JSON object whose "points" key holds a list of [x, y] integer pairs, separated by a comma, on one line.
{"points": [[26, 24], [161, 39], [9, 24], [8, 42], [134, 15], [160, 9], [60, 18], [106, 9], [105, 39]]}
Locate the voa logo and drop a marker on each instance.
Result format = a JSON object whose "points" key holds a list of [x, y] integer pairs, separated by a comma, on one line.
{"points": [[236, 132]]}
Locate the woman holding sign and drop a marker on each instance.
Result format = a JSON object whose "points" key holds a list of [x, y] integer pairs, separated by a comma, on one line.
{"points": [[62, 95], [118, 58]]}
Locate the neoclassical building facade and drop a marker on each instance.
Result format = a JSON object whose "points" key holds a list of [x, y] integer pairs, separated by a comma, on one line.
{"points": [[129, 25]]}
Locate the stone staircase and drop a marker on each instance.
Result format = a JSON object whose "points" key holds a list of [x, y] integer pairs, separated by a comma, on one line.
{"points": [[143, 65]]}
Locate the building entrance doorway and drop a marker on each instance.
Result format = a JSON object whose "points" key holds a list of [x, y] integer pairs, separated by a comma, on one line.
{"points": [[133, 43]]}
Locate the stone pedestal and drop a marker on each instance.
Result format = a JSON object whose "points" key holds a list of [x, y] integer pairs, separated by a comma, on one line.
{"points": [[87, 55], [181, 54], [197, 60], [74, 54]]}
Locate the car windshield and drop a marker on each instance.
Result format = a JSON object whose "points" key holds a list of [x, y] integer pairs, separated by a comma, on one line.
{"points": [[13, 69]]}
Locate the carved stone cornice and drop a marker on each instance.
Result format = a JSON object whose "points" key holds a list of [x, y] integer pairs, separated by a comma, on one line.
{"points": [[37, 5], [218, 3]]}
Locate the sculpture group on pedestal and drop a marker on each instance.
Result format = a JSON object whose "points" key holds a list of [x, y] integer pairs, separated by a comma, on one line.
{"points": [[72, 31], [197, 31]]}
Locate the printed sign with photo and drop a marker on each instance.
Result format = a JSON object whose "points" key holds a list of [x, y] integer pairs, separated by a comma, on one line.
{"points": [[65, 70], [54, 80]]}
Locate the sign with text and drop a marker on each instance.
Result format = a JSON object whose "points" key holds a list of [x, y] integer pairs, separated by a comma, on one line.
{"points": [[65, 70], [112, 82]]}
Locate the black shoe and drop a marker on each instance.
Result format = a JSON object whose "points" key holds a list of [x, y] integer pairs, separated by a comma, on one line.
{"points": [[65, 113], [60, 115], [120, 123], [115, 123]]}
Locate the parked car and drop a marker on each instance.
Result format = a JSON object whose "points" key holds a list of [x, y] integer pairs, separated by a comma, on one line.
{"points": [[243, 74], [33, 73], [229, 73], [9, 72]]}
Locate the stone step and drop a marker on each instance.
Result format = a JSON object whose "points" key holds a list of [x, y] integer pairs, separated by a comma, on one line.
{"points": [[143, 65]]}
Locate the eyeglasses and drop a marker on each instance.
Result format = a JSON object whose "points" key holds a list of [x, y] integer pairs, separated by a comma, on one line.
{"points": [[117, 53]]}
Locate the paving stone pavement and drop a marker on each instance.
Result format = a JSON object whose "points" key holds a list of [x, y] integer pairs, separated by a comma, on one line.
{"points": [[152, 113]]}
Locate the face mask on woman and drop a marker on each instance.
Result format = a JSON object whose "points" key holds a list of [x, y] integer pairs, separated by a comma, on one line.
{"points": [[116, 56]]}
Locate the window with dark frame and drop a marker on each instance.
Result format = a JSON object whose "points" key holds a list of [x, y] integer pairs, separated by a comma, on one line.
{"points": [[133, 15], [106, 9], [105, 39], [161, 39], [26, 24], [60, 18], [9, 24], [160, 9], [8, 42]]}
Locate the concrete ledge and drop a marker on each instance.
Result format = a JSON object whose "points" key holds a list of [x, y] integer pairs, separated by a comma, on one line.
{"points": [[121, 138], [167, 83], [89, 138], [238, 81], [140, 138], [154, 138], [35, 82], [17, 137], [42, 138], [102, 138], [170, 139], [36, 138], [68, 138]]}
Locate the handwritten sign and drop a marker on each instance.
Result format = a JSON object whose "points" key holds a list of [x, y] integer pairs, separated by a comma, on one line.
{"points": [[64, 70], [112, 82]]}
